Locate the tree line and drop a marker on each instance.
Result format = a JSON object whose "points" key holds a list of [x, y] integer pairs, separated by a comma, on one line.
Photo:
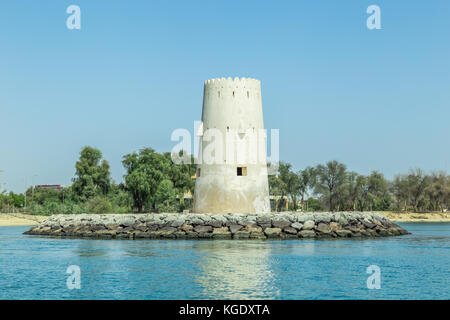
{"points": [[153, 183], [332, 187]]}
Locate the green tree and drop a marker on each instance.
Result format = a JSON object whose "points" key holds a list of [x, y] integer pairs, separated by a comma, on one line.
{"points": [[42, 196], [400, 190], [438, 191], [277, 190], [166, 197], [377, 187], [16, 200], [417, 184], [92, 174], [353, 191], [306, 181], [291, 182], [330, 180], [145, 171], [283, 184], [99, 204], [314, 204], [181, 174], [120, 199], [362, 193]]}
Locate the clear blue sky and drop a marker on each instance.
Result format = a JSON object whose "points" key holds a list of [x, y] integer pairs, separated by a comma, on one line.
{"points": [[373, 99]]}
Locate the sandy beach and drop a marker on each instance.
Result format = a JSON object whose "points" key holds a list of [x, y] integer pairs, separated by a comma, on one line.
{"points": [[19, 219], [418, 217]]}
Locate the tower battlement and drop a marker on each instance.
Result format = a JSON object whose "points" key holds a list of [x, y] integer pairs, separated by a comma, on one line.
{"points": [[233, 83], [237, 90]]}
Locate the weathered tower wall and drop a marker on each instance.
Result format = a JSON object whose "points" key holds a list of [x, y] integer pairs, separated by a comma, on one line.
{"points": [[233, 177]]}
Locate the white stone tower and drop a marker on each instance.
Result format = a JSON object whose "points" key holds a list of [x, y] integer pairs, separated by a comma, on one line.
{"points": [[232, 175]]}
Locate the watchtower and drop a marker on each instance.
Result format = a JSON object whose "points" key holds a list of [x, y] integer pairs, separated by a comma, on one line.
{"points": [[232, 175]]}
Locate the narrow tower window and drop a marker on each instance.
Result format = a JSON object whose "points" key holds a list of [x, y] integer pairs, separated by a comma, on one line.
{"points": [[198, 172], [248, 94], [241, 171], [233, 93]]}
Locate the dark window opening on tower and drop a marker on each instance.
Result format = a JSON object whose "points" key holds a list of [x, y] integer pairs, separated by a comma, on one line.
{"points": [[198, 172], [241, 171], [233, 93], [248, 94]]}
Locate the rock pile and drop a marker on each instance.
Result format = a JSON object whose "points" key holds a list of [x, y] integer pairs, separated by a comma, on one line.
{"points": [[289, 225]]}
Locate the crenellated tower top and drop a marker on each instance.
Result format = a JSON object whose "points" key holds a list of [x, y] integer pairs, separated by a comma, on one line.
{"points": [[233, 83]]}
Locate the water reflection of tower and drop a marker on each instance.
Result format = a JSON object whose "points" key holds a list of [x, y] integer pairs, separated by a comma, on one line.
{"points": [[236, 270]]}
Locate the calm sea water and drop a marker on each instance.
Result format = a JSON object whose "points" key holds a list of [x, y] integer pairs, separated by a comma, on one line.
{"points": [[415, 266]]}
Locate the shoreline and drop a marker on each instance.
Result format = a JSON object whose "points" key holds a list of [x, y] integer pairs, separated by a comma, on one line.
{"points": [[432, 217], [20, 219]]}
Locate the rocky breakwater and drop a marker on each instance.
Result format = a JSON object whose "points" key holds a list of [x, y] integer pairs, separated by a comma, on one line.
{"points": [[289, 225]]}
